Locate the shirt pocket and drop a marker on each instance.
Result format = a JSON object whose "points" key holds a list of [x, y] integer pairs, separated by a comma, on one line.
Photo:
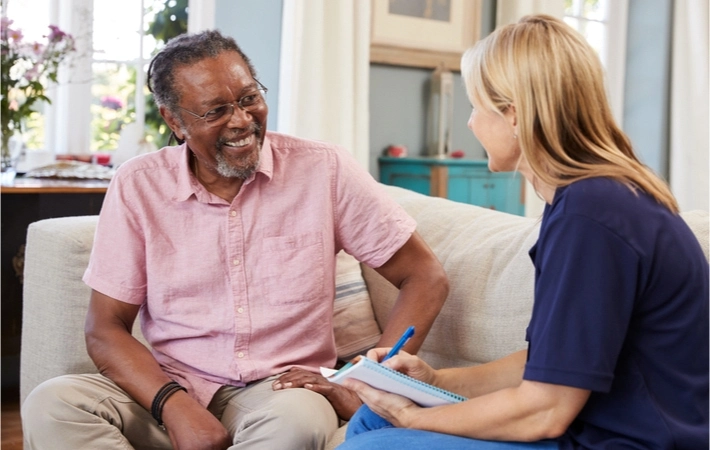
{"points": [[295, 271]]}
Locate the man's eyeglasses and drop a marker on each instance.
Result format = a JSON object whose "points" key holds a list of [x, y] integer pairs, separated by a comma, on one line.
{"points": [[220, 115]]}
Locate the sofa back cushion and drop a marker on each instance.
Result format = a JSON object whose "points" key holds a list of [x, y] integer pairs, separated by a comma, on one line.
{"points": [[484, 254]]}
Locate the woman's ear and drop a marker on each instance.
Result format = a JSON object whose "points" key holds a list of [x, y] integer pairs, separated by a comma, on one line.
{"points": [[512, 116], [172, 122]]}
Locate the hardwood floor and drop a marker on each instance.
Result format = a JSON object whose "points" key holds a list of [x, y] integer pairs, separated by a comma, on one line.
{"points": [[10, 426]]}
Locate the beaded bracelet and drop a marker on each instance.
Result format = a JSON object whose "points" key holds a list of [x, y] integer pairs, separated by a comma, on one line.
{"points": [[156, 409]]}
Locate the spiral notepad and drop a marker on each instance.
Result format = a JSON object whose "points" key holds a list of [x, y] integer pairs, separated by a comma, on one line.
{"points": [[386, 379]]}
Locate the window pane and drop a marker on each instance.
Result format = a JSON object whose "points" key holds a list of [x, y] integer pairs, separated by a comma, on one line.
{"points": [[32, 16], [116, 30], [594, 33], [588, 9], [112, 104], [593, 10]]}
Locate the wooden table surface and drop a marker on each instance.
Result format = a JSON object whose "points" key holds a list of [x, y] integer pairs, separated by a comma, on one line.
{"points": [[22, 185]]}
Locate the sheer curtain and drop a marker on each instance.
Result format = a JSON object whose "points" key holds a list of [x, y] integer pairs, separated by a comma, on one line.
{"points": [[689, 105], [324, 79]]}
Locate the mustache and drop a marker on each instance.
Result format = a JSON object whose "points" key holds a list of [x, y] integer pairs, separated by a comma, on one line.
{"points": [[253, 128]]}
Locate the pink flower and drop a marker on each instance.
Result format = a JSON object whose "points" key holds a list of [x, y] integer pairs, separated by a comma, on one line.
{"points": [[5, 24], [33, 73], [111, 102], [15, 35], [37, 48], [56, 35]]}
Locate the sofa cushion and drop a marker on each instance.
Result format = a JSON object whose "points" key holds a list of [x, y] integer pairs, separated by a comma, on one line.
{"points": [[354, 322]]}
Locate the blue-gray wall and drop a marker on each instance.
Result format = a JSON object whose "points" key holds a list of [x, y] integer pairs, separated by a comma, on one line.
{"points": [[256, 26]]}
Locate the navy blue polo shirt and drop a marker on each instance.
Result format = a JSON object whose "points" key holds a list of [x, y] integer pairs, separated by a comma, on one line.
{"points": [[621, 309]]}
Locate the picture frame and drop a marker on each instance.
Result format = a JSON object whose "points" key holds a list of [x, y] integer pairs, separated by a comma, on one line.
{"points": [[423, 33]]}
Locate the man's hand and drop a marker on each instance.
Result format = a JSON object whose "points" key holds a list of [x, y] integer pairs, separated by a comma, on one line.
{"points": [[191, 426], [345, 402]]}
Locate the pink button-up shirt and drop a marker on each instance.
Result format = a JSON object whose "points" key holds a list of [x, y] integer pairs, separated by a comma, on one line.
{"points": [[232, 293]]}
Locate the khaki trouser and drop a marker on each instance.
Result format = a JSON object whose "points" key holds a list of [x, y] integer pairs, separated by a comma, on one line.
{"points": [[75, 412]]}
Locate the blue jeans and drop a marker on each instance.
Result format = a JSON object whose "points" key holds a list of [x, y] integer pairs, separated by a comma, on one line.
{"points": [[369, 431]]}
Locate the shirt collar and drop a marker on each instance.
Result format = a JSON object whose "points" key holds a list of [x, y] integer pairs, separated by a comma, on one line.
{"points": [[187, 184]]}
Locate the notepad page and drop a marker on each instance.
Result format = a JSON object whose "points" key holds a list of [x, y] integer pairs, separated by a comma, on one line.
{"points": [[386, 379]]}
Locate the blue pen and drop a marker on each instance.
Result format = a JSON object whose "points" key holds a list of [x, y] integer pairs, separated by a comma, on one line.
{"points": [[400, 343]]}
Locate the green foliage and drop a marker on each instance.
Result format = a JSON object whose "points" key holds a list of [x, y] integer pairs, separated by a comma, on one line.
{"points": [[170, 21]]}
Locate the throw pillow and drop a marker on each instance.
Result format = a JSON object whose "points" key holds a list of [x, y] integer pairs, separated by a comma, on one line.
{"points": [[354, 324]]}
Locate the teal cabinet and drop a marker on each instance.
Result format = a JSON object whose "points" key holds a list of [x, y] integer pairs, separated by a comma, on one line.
{"points": [[461, 180]]}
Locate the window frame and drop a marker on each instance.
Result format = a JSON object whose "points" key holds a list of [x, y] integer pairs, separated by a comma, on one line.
{"points": [[68, 117]]}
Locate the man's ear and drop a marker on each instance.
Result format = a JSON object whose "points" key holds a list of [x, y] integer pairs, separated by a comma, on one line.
{"points": [[172, 122]]}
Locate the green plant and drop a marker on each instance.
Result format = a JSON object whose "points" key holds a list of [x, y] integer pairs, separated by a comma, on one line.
{"points": [[170, 21]]}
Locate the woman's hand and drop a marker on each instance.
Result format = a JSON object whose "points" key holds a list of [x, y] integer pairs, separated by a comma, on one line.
{"points": [[408, 364], [397, 410], [345, 402]]}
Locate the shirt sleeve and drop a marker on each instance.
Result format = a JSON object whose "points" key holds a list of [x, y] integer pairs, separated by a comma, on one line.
{"points": [[117, 264], [585, 288], [370, 225]]}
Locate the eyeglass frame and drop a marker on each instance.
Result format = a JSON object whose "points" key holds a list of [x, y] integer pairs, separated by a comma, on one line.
{"points": [[261, 89]]}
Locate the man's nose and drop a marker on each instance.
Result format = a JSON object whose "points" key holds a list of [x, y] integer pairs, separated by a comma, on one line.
{"points": [[239, 117]]}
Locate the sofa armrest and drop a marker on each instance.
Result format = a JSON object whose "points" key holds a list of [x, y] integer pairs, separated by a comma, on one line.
{"points": [[55, 300]]}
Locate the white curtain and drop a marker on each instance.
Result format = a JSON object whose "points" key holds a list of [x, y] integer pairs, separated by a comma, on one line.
{"points": [[201, 15], [689, 105], [510, 11], [324, 79]]}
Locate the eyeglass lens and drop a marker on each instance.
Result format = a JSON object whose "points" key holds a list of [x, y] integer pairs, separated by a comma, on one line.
{"points": [[249, 102]]}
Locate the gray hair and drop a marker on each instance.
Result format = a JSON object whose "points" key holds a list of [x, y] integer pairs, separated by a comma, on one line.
{"points": [[185, 50]]}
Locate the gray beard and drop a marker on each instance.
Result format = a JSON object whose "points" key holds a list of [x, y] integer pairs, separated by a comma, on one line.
{"points": [[243, 171]]}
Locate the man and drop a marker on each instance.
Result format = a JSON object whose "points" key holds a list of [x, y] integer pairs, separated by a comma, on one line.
{"points": [[226, 247]]}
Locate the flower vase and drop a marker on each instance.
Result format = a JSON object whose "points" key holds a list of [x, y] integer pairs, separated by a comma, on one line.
{"points": [[8, 157]]}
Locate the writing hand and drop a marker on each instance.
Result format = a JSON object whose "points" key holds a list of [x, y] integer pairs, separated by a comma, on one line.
{"points": [[407, 364], [344, 401], [398, 410]]}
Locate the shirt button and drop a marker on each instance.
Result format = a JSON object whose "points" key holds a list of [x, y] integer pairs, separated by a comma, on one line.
{"points": [[236, 262], [233, 213], [240, 354], [240, 310]]}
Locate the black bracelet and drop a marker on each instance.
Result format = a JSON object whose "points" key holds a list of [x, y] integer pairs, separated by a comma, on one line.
{"points": [[156, 409]]}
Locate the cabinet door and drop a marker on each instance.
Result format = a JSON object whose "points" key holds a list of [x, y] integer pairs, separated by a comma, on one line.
{"points": [[505, 192], [480, 187], [413, 177], [469, 186]]}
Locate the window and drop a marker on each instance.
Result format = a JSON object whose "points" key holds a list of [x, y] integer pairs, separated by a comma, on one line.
{"points": [[603, 24], [96, 96]]}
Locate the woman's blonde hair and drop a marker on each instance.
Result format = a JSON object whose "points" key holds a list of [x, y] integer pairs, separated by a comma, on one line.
{"points": [[555, 81]]}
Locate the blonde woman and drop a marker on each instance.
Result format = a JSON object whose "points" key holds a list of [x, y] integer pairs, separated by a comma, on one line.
{"points": [[617, 351]]}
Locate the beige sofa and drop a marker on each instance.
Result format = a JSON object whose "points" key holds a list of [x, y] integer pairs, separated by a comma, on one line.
{"points": [[484, 252]]}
